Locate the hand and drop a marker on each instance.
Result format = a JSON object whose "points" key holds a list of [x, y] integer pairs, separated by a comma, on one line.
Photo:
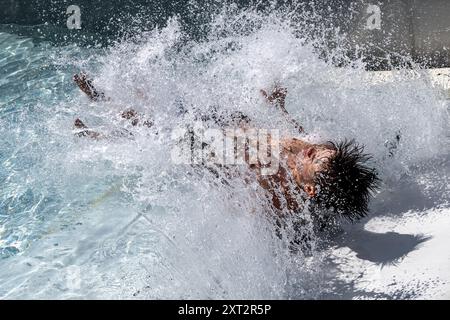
{"points": [[278, 96]]}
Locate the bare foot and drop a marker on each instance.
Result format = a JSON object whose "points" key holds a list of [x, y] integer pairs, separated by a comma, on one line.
{"points": [[85, 133], [85, 85], [277, 96], [79, 124]]}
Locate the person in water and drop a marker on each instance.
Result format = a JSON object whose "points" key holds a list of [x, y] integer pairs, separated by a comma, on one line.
{"points": [[86, 85], [333, 175]]}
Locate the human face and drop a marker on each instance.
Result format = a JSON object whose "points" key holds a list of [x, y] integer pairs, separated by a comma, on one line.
{"points": [[306, 160]]}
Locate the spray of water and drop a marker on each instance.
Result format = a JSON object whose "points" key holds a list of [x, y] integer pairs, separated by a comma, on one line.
{"points": [[117, 218]]}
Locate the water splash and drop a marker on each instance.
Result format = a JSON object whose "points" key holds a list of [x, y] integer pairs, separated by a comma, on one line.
{"points": [[118, 219]]}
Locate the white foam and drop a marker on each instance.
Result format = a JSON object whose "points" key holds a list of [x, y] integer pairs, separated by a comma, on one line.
{"points": [[129, 223]]}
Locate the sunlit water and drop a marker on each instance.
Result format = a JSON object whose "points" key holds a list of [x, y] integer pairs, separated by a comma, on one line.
{"points": [[118, 219]]}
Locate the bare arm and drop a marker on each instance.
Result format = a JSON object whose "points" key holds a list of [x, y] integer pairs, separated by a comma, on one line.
{"points": [[278, 98]]}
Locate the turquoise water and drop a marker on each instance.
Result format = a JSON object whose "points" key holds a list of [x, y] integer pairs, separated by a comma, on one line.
{"points": [[30, 86], [117, 219]]}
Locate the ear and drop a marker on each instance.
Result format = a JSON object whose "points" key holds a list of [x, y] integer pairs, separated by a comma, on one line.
{"points": [[310, 190], [310, 152]]}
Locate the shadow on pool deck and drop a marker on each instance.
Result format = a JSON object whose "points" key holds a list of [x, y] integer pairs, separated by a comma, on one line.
{"points": [[381, 248], [406, 195]]}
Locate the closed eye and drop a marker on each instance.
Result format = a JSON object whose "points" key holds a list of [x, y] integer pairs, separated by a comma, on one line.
{"points": [[320, 160]]}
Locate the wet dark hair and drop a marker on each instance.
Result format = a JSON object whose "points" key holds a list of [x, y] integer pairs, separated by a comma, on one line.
{"points": [[346, 184]]}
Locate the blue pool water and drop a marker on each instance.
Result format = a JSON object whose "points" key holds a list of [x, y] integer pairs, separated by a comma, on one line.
{"points": [[117, 219]]}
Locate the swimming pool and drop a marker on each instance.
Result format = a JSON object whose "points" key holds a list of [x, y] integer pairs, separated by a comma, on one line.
{"points": [[117, 219]]}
